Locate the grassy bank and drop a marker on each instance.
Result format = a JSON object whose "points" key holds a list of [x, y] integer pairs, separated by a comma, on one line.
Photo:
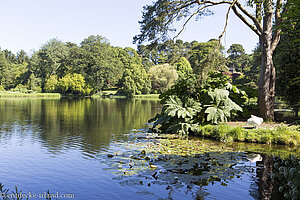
{"points": [[29, 95], [271, 135], [114, 96], [146, 96]]}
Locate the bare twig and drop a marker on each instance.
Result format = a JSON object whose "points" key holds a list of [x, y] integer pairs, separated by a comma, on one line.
{"points": [[185, 23], [213, 3], [226, 22]]}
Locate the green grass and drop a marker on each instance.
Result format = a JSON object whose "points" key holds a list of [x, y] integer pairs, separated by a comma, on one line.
{"points": [[29, 95], [112, 95], [146, 96], [275, 135], [109, 92]]}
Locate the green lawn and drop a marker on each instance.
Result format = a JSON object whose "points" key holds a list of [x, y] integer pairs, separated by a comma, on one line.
{"points": [[268, 135], [29, 95]]}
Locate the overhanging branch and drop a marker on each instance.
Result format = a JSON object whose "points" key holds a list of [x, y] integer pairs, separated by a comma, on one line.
{"points": [[257, 28], [245, 21], [255, 21], [195, 13], [226, 20], [213, 3]]}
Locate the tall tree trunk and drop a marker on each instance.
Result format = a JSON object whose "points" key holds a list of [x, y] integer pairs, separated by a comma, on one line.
{"points": [[266, 86]]}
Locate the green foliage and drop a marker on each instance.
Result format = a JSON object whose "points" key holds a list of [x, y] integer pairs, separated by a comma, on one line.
{"points": [[250, 67], [135, 81], [287, 64], [206, 57], [221, 106], [226, 133], [162, 77], [50, 60], [189, 104], [2, 88], [13, 74], [165, 52], [290, 25], [20, 88], [183, 68], [286, 173], [100, 63], [178, 116], [51, 84], [73, 84], [34, 83], [29, 95], [238, 60]]}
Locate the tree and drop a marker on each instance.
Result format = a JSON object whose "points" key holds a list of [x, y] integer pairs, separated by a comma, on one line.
{"points": [[52, 59], [162, 77], [287, 62], [238, 59], [166, 52], [205, 58], [12, 74], [22, 57], [34, 83], [158, 19], [73, 84], [135, 81], [51, 84], [292, 23], [183, 68], [100, 62], [288, 72]]}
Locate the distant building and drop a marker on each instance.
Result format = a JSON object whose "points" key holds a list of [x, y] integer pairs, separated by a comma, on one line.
{"points": [[232, 73]]}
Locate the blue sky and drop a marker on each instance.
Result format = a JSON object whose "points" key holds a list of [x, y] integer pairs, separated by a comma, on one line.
{"points": [[29, 24]]}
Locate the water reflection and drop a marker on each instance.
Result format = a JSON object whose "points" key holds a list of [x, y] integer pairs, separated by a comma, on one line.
{"points": [[276, 178], [87, 124], [62, 145], [201, 169]]}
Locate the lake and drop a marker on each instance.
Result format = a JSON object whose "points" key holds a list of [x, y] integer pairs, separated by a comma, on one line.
{"points": [[62, 146]]}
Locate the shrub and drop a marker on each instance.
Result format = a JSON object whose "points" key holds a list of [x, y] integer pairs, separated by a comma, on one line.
{"points": [[20, 88], [190, 103], [238, 133], [73, 84], [2, 88], [184, 68], [135, 81], [51, 84], [162, 77]]}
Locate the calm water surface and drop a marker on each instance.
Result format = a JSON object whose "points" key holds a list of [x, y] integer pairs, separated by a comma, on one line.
{"points": [[55, 145]]}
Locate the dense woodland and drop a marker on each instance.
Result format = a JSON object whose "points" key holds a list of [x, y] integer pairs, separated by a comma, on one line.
{"points": [[94, 65]]}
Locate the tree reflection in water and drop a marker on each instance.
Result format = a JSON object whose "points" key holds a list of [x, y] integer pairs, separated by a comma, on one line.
{"points": [[277, 178]]}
